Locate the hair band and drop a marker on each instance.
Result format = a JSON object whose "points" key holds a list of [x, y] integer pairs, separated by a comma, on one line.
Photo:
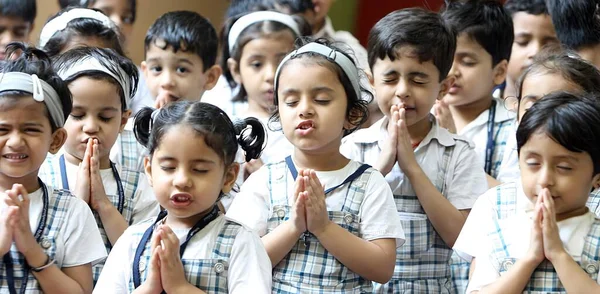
{"points": [[60, 22], [245, 21]]}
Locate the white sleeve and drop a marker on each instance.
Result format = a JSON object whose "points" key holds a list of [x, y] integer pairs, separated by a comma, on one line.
{"points": [[251, 205], [484, 274], [473, 234], [116, 271], [250, 269], [378, 215], [145, 204], [509, 167], [467, 178], [83, 243], [349, 148]]}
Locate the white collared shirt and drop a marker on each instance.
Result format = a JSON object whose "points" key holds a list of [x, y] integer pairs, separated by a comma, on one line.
{"points": [[465, 179]]}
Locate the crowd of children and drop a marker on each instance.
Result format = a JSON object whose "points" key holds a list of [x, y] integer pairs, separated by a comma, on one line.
{"points": [[458, 153]]}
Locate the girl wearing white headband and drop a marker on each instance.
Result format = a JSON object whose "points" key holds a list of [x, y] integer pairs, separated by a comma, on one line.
{"points": [[77, 27], [48, 237], [253, 45], [102, 84], [329, 224]]}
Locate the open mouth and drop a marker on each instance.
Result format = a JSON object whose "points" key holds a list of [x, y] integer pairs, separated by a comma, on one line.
{"points": [[305, 125], [15, 156], [181, 199]]}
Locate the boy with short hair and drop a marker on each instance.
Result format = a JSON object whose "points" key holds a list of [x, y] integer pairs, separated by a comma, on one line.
{"points": [[484, 43], [577, 26], [433, 174], [16, 22], [180, 54], [533, 30]]}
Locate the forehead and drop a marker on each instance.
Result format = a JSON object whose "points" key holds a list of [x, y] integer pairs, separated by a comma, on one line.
{"points": [[117, 5], [468, 44], [13, 21], [406, 60], [155, 52], [22, 108], [183, 142], [104, 94], [525, 22], [308, 73], [542, 83], [273, 42]]}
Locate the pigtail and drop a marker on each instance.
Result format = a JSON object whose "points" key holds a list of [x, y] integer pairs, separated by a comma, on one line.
{"points": [[251, 136], [142, 127], [31, 58]]}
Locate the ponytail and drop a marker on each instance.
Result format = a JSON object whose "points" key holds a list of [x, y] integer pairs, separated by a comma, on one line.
{"points": [[251, 136], [142, 127]]}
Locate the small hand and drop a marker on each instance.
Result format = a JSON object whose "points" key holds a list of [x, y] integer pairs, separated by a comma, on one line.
{"points": [[298, 213], [536, 243], [8, 219], [553, 246], [82, 188], [387, 158], [443, 116], [98, 196], [171, 268], [152, 284], [23, 237], [163, 98], [405, 155], [317, 217]]}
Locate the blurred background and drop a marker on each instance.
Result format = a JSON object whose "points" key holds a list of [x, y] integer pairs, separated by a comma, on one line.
{"points": [[355, 16]]}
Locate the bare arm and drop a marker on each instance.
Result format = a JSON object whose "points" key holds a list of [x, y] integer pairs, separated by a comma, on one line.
{"points": [[572, 276], [514, 280], [373, 260], [77, 279], [280, 241], [113, 222]]}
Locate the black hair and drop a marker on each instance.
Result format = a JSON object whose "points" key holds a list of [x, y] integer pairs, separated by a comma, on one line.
{"points": [[25, 9], [253, 31], [72, 3], [34, 61], [187, 31], [486, 22], [357, 110], [425, 31], [132, 5], [577, 23], [110, 59], [209, 121], [82, 27], [534, 7], [238, 7], [555, 60], [570, 120], [292, 6]]}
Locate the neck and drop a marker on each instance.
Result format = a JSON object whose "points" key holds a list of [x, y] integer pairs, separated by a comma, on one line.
{"points": [[104, 161], [176, 222], [320, 161], [254, 109], [591, 54], [29, 182], [509, 89], [465, 114], [419, 130], [572, 213]]}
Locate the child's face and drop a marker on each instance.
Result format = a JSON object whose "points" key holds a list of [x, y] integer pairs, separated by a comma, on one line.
{"points": [[96, 115], [120, 12], [312, 106], [536, 85], [475, 77], [532, 32], [179, 76], [187, 176], [409, 83], [568, 175], [258, 64], [13, 29], [322, 8], [25, 139]]}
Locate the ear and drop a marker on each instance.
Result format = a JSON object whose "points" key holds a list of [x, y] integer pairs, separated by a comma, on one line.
{"points": [[371, 79], [212, 77], [445, 86], [124, 117], [148, 169], [500, 71], [234, 68], [58, 139], [144, 68], [231, 175]]}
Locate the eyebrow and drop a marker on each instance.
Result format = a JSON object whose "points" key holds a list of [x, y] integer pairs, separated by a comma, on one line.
{"points": [[563, 157], [418, 74], [106, 108], [198, 160], [466, 54]]}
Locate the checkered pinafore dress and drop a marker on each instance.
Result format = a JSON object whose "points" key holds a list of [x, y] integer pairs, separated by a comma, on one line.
{"points": [[544, 279], [309, 267], [209, 275], [423, 262], [50, 173], [57, 214]]}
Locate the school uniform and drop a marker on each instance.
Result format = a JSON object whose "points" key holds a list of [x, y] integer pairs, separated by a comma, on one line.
{"points": [[127, 151], [222, 257], [509, 167], [498, 233], [127, 190], [357, 200], [64, 227], [490, 132], [449, 161]]}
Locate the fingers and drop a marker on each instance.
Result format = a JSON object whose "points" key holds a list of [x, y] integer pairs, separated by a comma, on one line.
{"points": [[170, 242], [299, 187]]}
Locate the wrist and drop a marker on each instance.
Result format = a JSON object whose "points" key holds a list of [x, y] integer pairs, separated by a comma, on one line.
{"points": [[35, 257], [323, 231], [557, 256], [412, 169], [293, 230], [102, 205]]}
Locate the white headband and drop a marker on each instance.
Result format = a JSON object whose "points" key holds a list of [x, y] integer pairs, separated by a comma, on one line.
{"points": [[340, 59], [60, 22], [245, 21], [39, 89], [90, 63]]}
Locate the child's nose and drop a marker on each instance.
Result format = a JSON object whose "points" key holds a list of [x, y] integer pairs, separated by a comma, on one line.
{"points": [[90, 126], [182, 180], [15, 141], [167, 79]]}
